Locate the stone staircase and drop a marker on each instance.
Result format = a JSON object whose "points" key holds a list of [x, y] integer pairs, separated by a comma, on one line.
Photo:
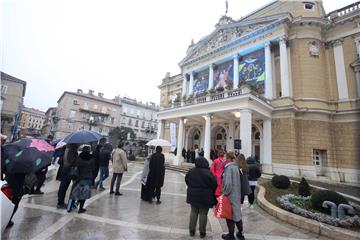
{"points": [[183, 168]]}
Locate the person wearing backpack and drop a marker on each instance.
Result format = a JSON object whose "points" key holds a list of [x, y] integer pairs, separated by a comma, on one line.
{"points": [[254, 174]]}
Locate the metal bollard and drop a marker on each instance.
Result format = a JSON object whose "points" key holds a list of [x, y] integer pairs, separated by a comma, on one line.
{"points": [[328, 204], [343, 209]]}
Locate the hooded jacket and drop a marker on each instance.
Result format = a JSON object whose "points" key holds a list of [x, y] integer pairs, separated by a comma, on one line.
{"points": [[85, 164], [201, 185]]}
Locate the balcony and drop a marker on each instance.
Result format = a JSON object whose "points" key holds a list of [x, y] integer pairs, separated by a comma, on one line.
{"points": [[215, 96]]}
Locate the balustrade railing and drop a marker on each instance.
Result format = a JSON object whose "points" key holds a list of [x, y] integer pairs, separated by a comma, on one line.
{"points": [[344, 11]]}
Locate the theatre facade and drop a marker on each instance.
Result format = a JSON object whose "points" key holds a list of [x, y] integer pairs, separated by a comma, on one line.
{"points": [[281, 84]]}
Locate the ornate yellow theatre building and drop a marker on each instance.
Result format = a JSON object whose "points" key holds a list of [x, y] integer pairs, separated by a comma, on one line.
{"points": [[284, 80]]}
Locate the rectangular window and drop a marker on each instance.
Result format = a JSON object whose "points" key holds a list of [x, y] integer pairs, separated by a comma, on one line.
{"points": [[86, 107], [72, 114], [103, 109], [4, 89], [130, 122], [143, 124], [137, 123], [75, 102], [95, 106]]}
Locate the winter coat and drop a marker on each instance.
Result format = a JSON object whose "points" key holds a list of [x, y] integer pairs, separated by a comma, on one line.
{"points": [[70, 157], [157, 170], [119, 160], [201, 185], [217, 169], [254, 172], [232, 188], [104, 157], [85, 164]]}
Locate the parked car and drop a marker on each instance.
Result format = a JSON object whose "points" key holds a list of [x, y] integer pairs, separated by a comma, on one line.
{"points": [[7, 207]]}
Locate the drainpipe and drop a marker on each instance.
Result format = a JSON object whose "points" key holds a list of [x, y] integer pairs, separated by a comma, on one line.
{"points": [[328, 204], [343, 209]]}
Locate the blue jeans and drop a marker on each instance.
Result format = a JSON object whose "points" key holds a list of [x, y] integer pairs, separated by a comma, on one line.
{"points": [[104, 173]]}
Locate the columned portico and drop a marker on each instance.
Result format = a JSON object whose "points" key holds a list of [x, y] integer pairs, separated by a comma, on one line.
{"points": [[284, 68], [230, 138], [207, 136], [236, 72], [245, 132], [180, 143], [267, 151], [268, 72], [211, 76], [161, 127], [191, 84]]}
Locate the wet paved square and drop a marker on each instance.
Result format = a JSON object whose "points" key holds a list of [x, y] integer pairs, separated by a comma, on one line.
{"points": [[128, 217]]}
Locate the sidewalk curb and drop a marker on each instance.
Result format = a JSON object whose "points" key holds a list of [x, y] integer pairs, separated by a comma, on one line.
{"points": [[304, 223]]}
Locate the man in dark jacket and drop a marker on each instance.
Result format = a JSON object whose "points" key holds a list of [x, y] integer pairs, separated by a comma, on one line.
{"points": [[69, 160], [104, 158], [156, 175], [200, 194], [96, 158]]}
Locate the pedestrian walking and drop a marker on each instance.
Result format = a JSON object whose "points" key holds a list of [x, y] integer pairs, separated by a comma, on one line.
{"points": [[119, 164], [96, 153], [41, 177], [82, 186], [254, 174], [188, 155], [183, 153], [200, 194], [104, 159], [232, 188], [244, 176], [217, 168], [69, 160], [156, 175]]}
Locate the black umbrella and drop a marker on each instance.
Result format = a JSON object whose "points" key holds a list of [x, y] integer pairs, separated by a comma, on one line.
{"points": [[27, 155]]}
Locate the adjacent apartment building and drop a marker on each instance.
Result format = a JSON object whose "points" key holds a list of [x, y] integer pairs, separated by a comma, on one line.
{"points": [[12, 98], [281, 84], [79, 110], [51, 119], [32, 122]]}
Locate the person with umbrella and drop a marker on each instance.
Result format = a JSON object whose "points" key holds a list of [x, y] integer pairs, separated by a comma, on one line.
{"points": [[69, 160], [97, 159], [155, 179], [20, 158], [104, 159], [82, 184]]}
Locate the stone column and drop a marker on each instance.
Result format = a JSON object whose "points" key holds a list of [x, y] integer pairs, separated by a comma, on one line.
{"points": [[284, 68], [178, 158], [245, 132], [184, 85], [161, 127], [207, 137], [191, 85], [230, 137], [358, 83], [341, 80], [211, 76], [273, 74], [268, 72], [267, 152], [202, 140], [236, 71]]}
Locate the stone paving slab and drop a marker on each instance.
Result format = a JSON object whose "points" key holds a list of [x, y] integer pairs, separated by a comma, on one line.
{"points": [[128, 217]]}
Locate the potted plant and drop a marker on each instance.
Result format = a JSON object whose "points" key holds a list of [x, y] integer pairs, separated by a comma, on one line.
{"points": [[229, 85], [220, 89], [212, 91]]}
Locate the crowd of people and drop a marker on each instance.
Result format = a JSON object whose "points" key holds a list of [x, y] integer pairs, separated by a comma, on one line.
{"points": [[231, 175]]}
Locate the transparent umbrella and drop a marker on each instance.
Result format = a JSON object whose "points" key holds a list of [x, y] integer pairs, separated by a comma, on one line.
{"points": [[158, 142]]}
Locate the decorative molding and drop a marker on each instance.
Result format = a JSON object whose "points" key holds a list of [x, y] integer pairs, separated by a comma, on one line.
{"points": [[337, 42], [283, 39], [313, 49]]}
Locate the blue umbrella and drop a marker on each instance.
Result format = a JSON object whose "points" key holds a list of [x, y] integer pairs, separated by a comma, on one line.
{"points": [[82, 137]]}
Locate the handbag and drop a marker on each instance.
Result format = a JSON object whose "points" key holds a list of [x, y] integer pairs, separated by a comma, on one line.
{"points": [[74, 172], [245, 186], [223, 207]]}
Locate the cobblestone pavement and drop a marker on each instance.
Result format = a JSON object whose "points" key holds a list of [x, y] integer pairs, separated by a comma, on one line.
{"points": [[127, 217]]}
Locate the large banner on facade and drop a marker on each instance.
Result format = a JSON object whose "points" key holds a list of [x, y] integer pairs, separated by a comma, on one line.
{"points": [[173, 136], [223, 74], [201, 82], [252, 70]]}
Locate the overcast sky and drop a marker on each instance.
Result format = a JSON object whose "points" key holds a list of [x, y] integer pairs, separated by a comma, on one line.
{"points": [[110, 46]]}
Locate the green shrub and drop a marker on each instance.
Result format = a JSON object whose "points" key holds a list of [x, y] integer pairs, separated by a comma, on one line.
{"points": [[280, 181], [304, 188], [318, 197]]}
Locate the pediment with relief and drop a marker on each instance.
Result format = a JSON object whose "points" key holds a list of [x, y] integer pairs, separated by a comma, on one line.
{"points": [[227, 30]]}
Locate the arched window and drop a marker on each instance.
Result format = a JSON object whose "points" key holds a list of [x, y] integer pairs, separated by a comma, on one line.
{"points": [[196, 136], [257, 135], [219, 136]]}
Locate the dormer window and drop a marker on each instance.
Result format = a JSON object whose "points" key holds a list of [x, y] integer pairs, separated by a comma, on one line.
{"points": [[309, 5]]}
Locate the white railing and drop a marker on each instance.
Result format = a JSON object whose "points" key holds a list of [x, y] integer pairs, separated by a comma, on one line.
{"points": [[344, 11]]}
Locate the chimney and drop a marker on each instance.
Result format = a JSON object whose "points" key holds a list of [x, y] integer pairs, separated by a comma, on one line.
{"points": [[79, 91], [91, 92], [100, 94]]}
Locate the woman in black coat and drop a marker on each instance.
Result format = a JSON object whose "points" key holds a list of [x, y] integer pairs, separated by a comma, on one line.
{"points": [[200, 194], [156, 175]]}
